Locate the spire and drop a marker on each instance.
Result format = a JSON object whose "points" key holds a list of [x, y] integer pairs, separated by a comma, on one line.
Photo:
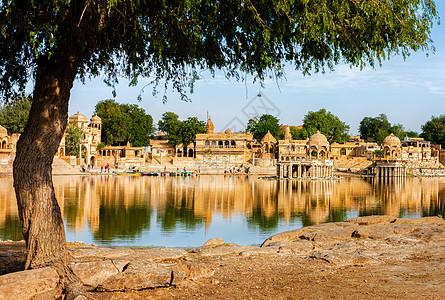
{"points": [[209, 127], [287, 134]]}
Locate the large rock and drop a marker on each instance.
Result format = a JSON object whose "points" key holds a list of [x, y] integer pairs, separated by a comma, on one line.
{"points": [[85, 254], [214, 241], [28, 284], [94, 273], [142, 275], [369, 220], [160, 254], [138, 277]]}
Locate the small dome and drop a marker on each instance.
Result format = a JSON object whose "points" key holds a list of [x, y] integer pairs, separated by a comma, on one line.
{"points": [[268, 137], [228, 131], [3, 131], [78, 117], [96, 119], [392, 140], [318, 139]]}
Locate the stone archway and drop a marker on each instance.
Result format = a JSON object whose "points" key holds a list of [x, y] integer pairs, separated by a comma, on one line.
{"points": [[190, 153]]}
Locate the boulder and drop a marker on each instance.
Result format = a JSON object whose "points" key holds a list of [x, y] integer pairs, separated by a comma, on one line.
{"points": [[94, 273], [160, 254], [369, 220], [214, 241], [28, 284], [84, 254]]}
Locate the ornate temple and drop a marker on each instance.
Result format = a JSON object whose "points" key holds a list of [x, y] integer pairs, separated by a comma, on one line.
{"points": [[223, 147], [304, 158]]}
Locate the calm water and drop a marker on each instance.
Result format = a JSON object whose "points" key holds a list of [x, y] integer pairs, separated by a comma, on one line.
{"points": [[185, 212]]}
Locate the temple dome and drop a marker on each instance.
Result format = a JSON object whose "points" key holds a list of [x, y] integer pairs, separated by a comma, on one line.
{"points": [[268, 137], [3, 131], [96, 119], [78, 117], [228, 131], [392, 140], [318, 139]]}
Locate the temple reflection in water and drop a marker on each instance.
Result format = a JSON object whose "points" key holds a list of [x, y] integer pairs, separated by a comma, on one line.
{"points": [[127, 210]]}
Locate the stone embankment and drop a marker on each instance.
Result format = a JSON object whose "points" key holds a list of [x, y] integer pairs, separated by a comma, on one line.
{"points": [[383, 241]]}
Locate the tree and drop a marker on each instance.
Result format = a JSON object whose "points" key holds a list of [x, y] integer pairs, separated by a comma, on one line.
{"points": [[188, 129], [124, 122], [140, 125], [434, 130], [378, 128], [260, 126], [14, 115], [54, 42], [328, 124], [298, 133], [170, 125], [73, 139], [180, 132]]}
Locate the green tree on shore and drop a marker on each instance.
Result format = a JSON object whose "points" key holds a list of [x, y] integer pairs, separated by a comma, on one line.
{"points": [[180, 132], [124, 122], [376, 129], [51, 43], [328, 124], [74, 136], [434, 130], [259, 126], [14, 115]]}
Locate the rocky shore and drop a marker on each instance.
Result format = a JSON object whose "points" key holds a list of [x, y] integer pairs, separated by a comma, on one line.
{"points": [[379, 257]]}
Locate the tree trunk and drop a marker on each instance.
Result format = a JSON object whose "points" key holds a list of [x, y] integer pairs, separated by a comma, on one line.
{"points": [[40, 215]]}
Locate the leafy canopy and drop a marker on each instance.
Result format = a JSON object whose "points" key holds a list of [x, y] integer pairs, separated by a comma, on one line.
{"points": [[180, 132], [168, 41], [434, 130], [378, 128], [124, 122], [14, 115], [74, 136], [260, 126], [327, 123]]}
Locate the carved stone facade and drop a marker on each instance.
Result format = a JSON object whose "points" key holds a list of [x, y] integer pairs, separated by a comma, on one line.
{"points": [[91, 138], [223, 147], [304, 158]]}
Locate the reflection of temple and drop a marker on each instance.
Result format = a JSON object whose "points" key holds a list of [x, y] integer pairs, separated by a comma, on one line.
{"points": [[122, 207], [304, 159], [222, 147]]}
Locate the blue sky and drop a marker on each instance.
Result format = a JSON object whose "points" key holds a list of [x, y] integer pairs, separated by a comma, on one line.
{"points": [[409, 92]]}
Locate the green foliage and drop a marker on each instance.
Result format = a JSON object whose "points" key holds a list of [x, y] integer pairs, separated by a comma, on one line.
{"points": [[14, 115], [180, 132], [298, 133], [328, 124], [378, 128], [260, 126], [170, 41], [378, 153], [100, 145], [124, 122], [434, 130], [73, 139], [412, 134], [189, 129]]}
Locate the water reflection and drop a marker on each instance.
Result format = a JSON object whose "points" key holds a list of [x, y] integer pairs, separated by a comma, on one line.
{"points": [[170, 211]]}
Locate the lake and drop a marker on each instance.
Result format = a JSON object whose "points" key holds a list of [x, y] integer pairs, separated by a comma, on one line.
{"points": [[187, 211]]}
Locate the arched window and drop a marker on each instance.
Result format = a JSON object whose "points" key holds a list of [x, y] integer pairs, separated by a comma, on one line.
{"points": [[207, 143], [233, 143]]}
